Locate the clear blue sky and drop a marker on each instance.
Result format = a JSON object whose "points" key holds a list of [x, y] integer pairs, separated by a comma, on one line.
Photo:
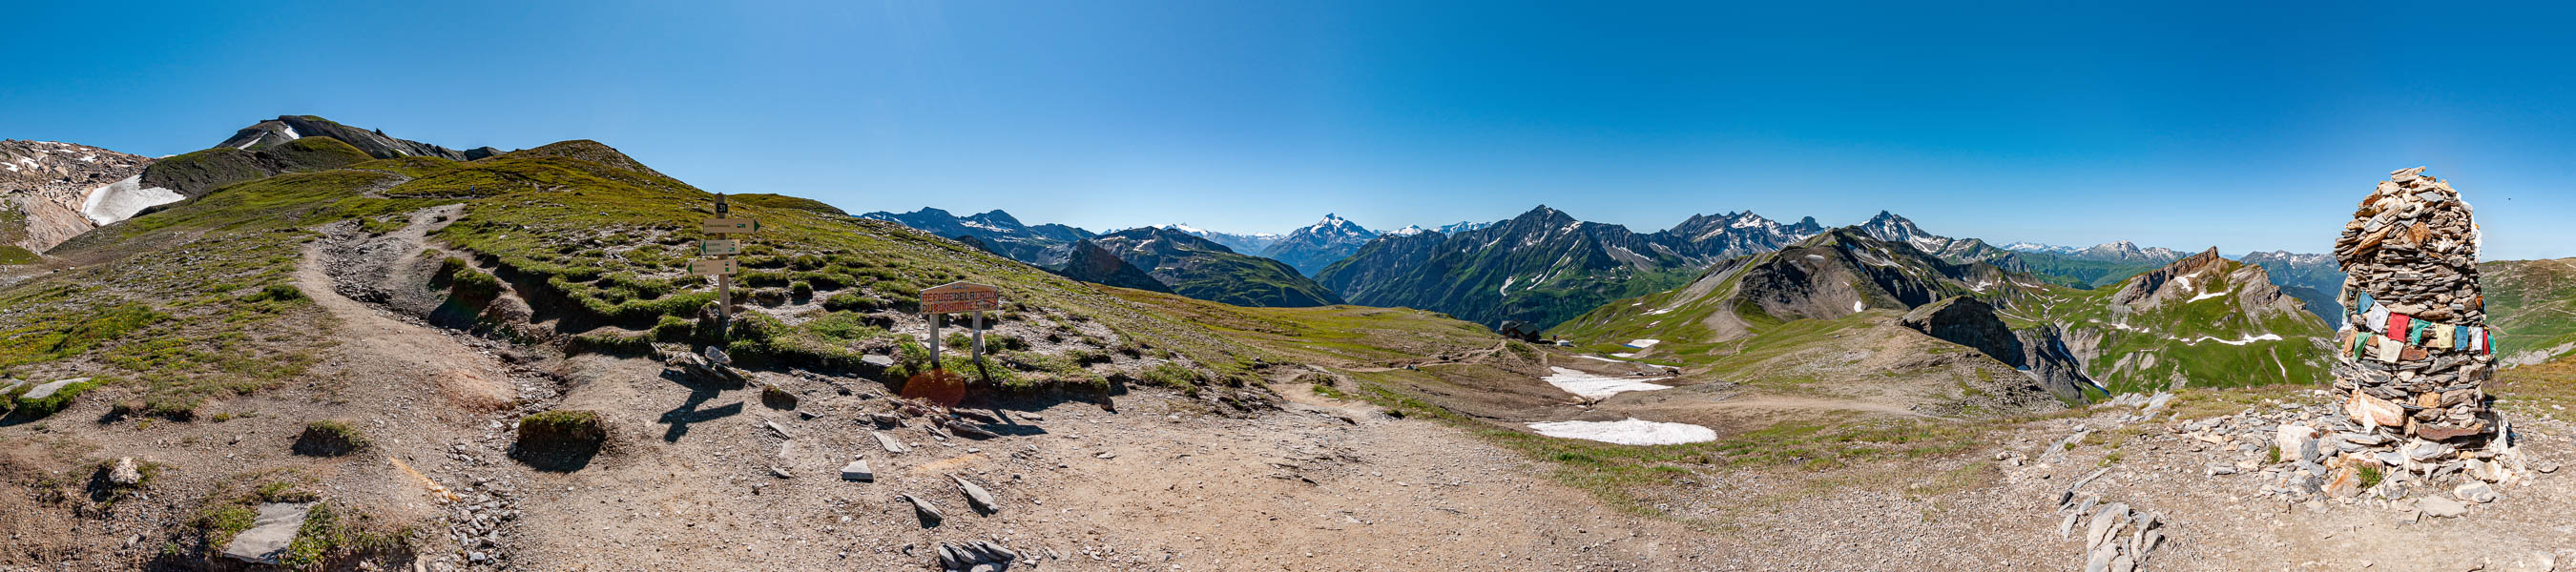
{"points": [[2172, 124]]}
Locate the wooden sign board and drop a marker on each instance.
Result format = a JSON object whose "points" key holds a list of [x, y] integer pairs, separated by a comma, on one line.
{"points": [[726, 247], [731, 226], [957, 297], [717, 267]]}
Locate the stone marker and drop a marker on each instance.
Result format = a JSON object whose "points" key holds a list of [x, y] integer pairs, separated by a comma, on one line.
{"points": [[270, 533], [858, 471], [2413, 357], [976, 497]]}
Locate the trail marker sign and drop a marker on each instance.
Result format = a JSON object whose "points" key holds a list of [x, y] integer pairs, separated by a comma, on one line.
{"points": [[723, 266], [730, 226], [714, 267], [955, 297]]}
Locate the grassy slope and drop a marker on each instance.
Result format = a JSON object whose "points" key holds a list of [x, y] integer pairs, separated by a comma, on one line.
{"points": [[614, 247], [1249, 280], [196, 301], [2533, 302], [2293, 359]]}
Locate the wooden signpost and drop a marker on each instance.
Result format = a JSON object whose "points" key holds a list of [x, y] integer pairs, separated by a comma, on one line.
{"points": [[957, 297], [722, 266], [939, 385]]}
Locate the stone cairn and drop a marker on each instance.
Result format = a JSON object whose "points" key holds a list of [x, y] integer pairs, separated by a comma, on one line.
{"points": [[2414, 352]]}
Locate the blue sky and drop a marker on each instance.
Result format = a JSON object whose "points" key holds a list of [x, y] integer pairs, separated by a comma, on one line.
{"points": [[2174, 124]]}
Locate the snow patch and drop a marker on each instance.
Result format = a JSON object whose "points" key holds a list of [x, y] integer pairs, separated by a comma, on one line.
{"points": [[1858, 307], [2205, 297], [1593, 386], [1659, 312], [1632, 431], [2236, 342], [120, 200], [1643, 343]]}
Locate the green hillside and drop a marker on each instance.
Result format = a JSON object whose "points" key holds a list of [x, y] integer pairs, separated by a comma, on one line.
{"points": [[1202, 269], [2533, 304], [194, 302], [2187, 339]]}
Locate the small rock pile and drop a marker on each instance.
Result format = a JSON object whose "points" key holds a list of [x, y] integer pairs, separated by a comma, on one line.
{"points": [[2116, 537], [2415, 350]]}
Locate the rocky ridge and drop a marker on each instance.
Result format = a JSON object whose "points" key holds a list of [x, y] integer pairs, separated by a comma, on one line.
{"points": [[52, 191]]}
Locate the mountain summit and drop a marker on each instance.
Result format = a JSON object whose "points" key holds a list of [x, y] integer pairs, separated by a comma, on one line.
{"points": [[1312, 248]]}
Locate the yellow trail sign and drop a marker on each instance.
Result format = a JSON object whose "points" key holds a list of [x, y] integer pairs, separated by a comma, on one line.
{"points": [[731, 226], [957, 297], [717, 267], [715, 247]]}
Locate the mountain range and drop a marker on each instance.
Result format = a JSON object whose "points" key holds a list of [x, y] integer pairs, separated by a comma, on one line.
{"points": [[1045, 245], [1544, 266]]}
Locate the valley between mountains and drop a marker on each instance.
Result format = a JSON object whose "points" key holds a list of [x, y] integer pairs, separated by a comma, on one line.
{"points": [[318, 346]]}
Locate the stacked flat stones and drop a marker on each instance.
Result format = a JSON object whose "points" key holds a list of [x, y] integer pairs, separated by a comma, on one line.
{"points": [[2415, 350]]}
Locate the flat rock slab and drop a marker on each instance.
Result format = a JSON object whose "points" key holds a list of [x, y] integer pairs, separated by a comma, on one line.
{"points": [[269, 535], [929, 515], [858, 471], [887, 441], [47, 390], [10, 385], [976, 497]]}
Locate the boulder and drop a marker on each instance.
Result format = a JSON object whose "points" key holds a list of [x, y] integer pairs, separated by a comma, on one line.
{"points": [[125, 474], [2474, 492], [858, 471], [2297, 442]]}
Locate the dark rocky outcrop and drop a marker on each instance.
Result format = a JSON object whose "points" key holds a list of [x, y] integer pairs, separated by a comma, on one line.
{"points": [[1091, 263], [1969, 322], [374, 143]]}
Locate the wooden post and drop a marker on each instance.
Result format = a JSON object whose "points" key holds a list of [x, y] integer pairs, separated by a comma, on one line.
{"points": [[934, 340], [724, 282], [979, 336]]}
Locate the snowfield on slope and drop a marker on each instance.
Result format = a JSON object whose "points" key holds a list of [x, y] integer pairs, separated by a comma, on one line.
{"points": [[1632, 431], [1592, 386], [120, 200]]}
